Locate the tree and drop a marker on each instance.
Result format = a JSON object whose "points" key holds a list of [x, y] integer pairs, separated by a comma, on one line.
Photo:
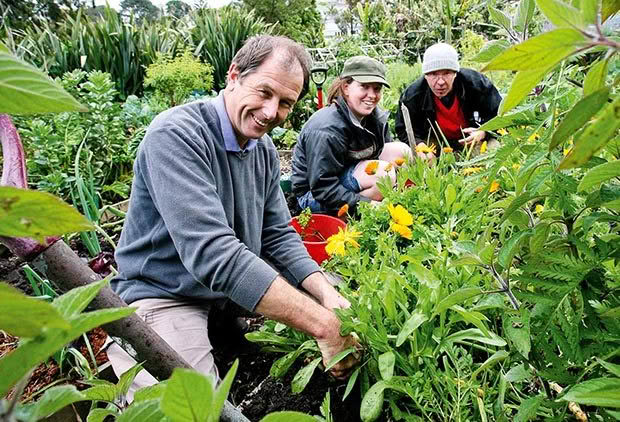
{"points": [[177, 8], [141, 9], [17, 14]]}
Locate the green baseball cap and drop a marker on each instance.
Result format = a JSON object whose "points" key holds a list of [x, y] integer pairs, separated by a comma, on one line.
{"points": [[364, 70]]}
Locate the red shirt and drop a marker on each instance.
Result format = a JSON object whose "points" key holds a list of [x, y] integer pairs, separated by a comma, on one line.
{"points": [[450, 120]]}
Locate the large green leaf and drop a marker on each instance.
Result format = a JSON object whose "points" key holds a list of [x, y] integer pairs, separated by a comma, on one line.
{"points": [[16, 306], [528, 408], [500, 18], [148, 410], [499, 122], [560, 14], [458, 296], [579, 116], [372, 403], [611, 367], [511, 248], [188, 396], [490, 50], [599, 174], [522, 85], [288, 416], [76, 300], [524, 15], [609, 7], [386, 365], [221, 393], [595, 78], [496, 357], [302, 377], [100, 415], [474, 334], [542, 51], [518, 373], [596, 392], [589, 11], [27, 213], [424, 275], [52, 401], [517, 330], [594, 137], [415, 320], [24, 89], [32, 352]]}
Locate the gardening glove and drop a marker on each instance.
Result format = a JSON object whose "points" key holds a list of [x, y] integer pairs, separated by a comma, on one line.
{"points": [[333, 344], [475, 135]]}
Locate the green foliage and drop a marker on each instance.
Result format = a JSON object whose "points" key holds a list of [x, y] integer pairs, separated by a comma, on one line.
{"points": [[174, 79], [140, 9]]}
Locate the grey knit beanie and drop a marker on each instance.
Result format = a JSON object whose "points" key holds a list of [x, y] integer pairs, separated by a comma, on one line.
{"points": [[440, 56]]}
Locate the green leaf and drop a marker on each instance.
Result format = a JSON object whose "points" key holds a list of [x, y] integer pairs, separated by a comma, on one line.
{"points": [[127, 379], [32, 352], [589, 11], [222, 392], [611, 367], [517, 203], [302, 377], [528, 408], [542, 51], [611, 313], [99, 415], [474, 334], [24, 89], [491, 49], [372, 403], [151, 392], [500, 122], [76, 300], [15, 305], [522, 85], [599, 174], [594, 137], [450, 194], [386, 365], [500, 18], [560, 14], [579, 116], [596, 392], [525, 12], [609, 7], [458, 296], [416, 319], [473, 317], [188, 396], [283, 364], [28, 213], [540, 236], [496, 357], [338, 357], [351, 383], [517, 331], [511, 248], [148, 410], [424, 275], [595, 78], [288, 416], [518, 373], [52, 401]]}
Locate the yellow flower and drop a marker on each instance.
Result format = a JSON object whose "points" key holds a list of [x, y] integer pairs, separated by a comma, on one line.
{"points": [[388, 167], [454, 235], [336, 242], [534, 136], [371, 167], [516, 166], [502, 132], [447, 149], [483, 147], [400, 215], [426, 149], [494, 186], [402, 230], [471, 170], [567, 151], [343, 210], [539, 209], [399, 161]]}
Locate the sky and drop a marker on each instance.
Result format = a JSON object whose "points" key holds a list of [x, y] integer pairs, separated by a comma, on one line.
{"points": [[161, 3]]}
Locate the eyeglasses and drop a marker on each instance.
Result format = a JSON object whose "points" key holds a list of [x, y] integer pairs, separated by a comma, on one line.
{"points": [[433, 77]]}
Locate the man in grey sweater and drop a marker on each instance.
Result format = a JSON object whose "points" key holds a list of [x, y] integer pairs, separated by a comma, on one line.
{"points": [[206, 215]]}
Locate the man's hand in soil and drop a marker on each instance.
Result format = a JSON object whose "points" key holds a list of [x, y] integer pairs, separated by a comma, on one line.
{"points": [[475, 135]]}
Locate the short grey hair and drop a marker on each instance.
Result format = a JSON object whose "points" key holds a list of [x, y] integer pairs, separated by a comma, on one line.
{"points": [[260, 47]]}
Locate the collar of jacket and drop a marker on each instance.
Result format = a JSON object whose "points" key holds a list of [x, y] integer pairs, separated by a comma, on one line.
{"points": [[378, 118], [428, 103]]}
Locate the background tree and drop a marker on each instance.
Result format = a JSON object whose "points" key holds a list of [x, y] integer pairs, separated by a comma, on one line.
{"points": [[18, 14], [141, 9], [177, 8]]}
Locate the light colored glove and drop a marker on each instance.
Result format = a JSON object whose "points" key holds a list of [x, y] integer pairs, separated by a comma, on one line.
{"points": [[475, 135]]}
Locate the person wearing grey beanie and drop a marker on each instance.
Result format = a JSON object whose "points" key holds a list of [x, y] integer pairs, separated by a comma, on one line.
{"points": [[448, 102]]}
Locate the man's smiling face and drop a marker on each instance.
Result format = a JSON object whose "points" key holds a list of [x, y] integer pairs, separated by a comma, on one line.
{"points": [[261, 100]]}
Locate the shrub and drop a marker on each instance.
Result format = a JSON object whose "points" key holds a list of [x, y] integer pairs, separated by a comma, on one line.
{"points": [[175, 79]]}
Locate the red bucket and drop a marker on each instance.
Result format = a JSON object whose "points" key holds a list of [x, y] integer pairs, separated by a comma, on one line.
{"points": [[316, 233]]}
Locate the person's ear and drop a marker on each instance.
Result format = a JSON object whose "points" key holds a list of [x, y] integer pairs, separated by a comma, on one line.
{"points": [[232, 76]]}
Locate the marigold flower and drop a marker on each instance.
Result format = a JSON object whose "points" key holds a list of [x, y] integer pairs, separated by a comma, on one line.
{"points": [[567, 151], [471, 170], [400, 215], [336, 242], [539, 209], [478, 189], [534, 136], [483, 147], [343, 210], [516, 166], [402, 230], [447, 149], [494, 186], [388, 167], [371, 167], [399, 161], [502, 132], [426, 149]]}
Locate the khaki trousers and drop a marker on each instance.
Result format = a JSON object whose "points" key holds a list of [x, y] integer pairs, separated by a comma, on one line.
{"points": [[183, 326]]}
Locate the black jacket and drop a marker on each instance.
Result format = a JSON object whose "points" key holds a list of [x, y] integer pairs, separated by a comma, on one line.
{"points": [[478, 97], [330, 142]]}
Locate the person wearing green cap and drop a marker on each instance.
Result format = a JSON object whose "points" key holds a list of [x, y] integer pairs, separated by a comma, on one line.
{"points": [[344, 149]]}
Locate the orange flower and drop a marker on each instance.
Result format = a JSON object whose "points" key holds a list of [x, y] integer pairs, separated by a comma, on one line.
{"points": [[343, 210], [447, 149], [399, 161], [371, 167], [494, 186], [388, 167]]}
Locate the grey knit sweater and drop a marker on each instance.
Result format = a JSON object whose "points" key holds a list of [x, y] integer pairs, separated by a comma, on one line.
{"points": [[201, 214]]}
